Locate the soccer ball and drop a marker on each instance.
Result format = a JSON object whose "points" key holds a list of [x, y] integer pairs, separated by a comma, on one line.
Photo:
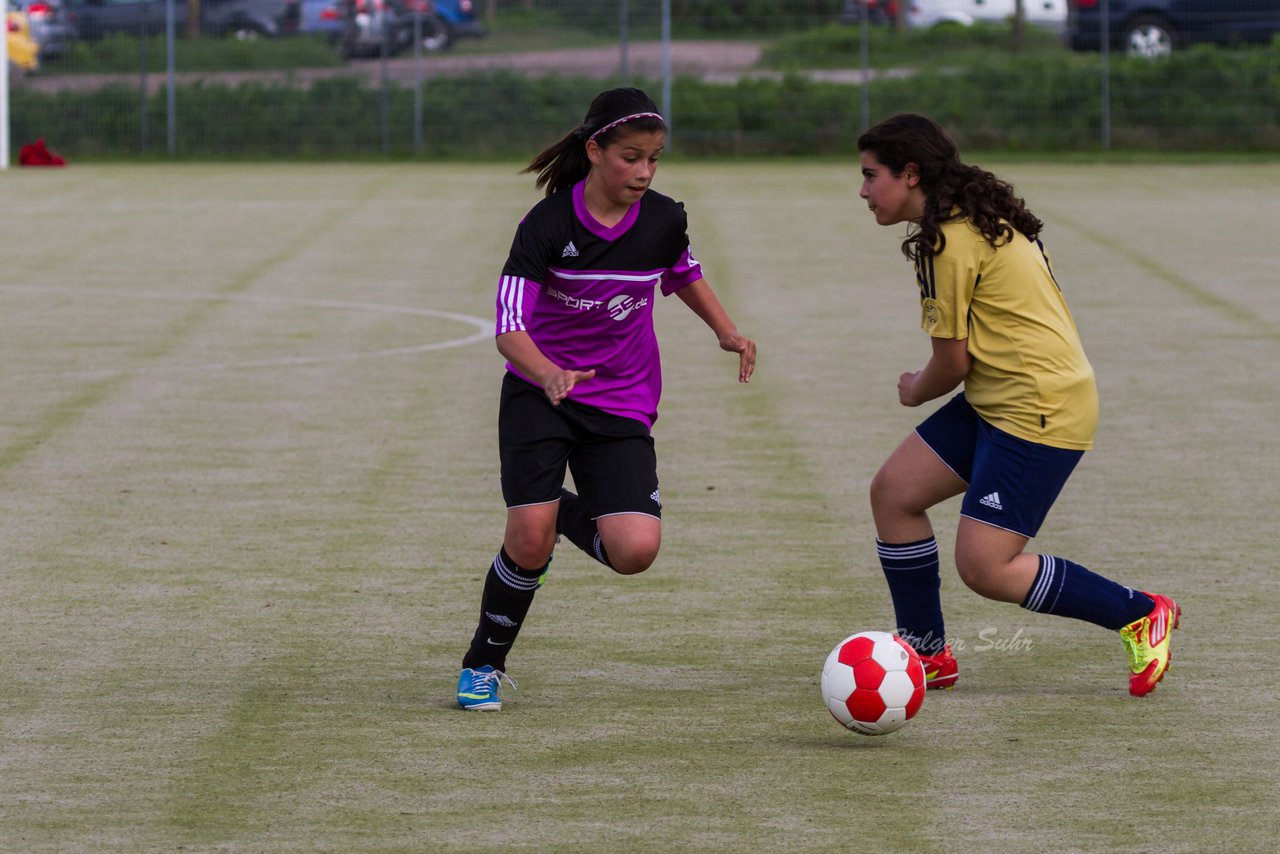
{"points": [[873, 682]]}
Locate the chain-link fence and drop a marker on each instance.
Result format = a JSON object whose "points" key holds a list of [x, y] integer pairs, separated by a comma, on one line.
{"points": [[480, 78]]}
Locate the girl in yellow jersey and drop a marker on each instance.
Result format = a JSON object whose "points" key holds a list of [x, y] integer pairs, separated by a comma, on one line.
{"points": [[999, 325]]}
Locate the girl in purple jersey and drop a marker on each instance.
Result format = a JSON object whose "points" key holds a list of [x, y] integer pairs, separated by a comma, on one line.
{"points": [[575, 324]]}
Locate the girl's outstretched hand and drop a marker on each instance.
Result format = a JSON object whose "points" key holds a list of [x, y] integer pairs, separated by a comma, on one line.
{"points": [[746, 350], [559, 384]]}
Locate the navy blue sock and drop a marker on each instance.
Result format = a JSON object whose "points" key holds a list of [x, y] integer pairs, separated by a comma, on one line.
{"points": [[508, 593], [573, 521], [915, 586], [1067, 589]]}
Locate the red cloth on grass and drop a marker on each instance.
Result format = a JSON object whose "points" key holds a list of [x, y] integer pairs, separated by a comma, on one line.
{"points": [[37, 154]]}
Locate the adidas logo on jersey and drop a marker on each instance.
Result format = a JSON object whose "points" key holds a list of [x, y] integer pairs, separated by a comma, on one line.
{"points": [[570, 251], [992, 501]]}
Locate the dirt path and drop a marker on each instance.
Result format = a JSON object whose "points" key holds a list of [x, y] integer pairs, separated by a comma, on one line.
{"points": [[711, 60]]}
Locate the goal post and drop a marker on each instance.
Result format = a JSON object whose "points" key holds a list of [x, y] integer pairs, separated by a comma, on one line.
{"points": [[4, 84]]}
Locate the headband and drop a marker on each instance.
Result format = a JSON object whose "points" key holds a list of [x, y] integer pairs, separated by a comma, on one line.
{"points": [[631, 118]]}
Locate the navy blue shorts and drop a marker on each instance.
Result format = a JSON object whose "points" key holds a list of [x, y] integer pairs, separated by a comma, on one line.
{"points": [[612, 458], [1012, 482]]}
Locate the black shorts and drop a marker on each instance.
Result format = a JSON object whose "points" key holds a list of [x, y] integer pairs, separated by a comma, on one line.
{"points": [[611, 457]]}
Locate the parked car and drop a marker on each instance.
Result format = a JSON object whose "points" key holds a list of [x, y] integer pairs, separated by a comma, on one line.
{"points": [[24, 53], [877, 11], [49, 26], [922, 14], [1157, 27], [368, 23], [244, 19], [320, 16], [459, 17]]}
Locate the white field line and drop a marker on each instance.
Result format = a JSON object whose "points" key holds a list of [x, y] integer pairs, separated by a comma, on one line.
{"points": [[484, 328]]}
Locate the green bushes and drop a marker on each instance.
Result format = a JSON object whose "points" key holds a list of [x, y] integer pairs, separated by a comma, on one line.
{"points": [[839, 46], [1199, 99], [752, 16], [689, 17]]}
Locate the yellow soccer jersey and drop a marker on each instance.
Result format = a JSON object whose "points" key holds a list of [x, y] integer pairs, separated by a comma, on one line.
{"points": [[1029, 374]]}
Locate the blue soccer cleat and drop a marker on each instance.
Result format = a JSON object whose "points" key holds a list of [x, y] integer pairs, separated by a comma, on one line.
{"points": [[480, 689]]}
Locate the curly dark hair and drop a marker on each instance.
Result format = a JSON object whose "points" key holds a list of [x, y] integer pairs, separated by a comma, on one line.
{"points": [[563, 164], [953, 190]]}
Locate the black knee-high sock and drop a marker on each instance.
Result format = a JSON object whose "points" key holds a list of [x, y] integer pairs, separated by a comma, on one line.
{"points": [[508, 593], [572, 521], [1069, 590], [914, 584]]}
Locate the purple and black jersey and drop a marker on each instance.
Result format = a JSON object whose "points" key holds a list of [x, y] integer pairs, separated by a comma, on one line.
{"points": [[584, 293]]}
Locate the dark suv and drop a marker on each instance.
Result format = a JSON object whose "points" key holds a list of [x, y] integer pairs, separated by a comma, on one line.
{"points": [[1157, 27], [94, 19]]}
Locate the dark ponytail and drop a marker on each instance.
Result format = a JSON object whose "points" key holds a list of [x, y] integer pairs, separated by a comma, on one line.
{"points": [[565, 163], [952, 189]]}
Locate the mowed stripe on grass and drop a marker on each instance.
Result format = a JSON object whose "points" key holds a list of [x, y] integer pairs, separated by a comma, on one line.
{"points": [[235, 601]]}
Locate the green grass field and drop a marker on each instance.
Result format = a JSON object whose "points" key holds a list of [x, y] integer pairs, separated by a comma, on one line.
{"points": [[249, 490]]}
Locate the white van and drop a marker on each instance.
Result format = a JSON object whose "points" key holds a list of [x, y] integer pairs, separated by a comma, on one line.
{"points": [[930, 13]]}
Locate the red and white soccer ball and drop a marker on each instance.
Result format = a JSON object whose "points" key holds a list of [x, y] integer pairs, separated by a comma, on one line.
{"points": [[873, 682]]}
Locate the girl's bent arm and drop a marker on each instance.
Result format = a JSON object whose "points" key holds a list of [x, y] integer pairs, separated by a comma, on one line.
{"points": [[699, 297], [946, 369], [518, 349]]}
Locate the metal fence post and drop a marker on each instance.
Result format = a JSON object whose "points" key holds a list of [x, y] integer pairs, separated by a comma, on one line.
{"points": [[384, 100], [417, 78], [144, 119], [171, 74], [1106, 75], [865, 62], [624, 37], [666, 69]]}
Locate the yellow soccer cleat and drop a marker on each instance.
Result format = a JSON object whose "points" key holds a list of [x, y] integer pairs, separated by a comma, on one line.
{"points": [[1146, 642]]}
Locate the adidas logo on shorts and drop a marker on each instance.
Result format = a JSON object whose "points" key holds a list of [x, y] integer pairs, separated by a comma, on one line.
{"points": [[992, 501]]}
